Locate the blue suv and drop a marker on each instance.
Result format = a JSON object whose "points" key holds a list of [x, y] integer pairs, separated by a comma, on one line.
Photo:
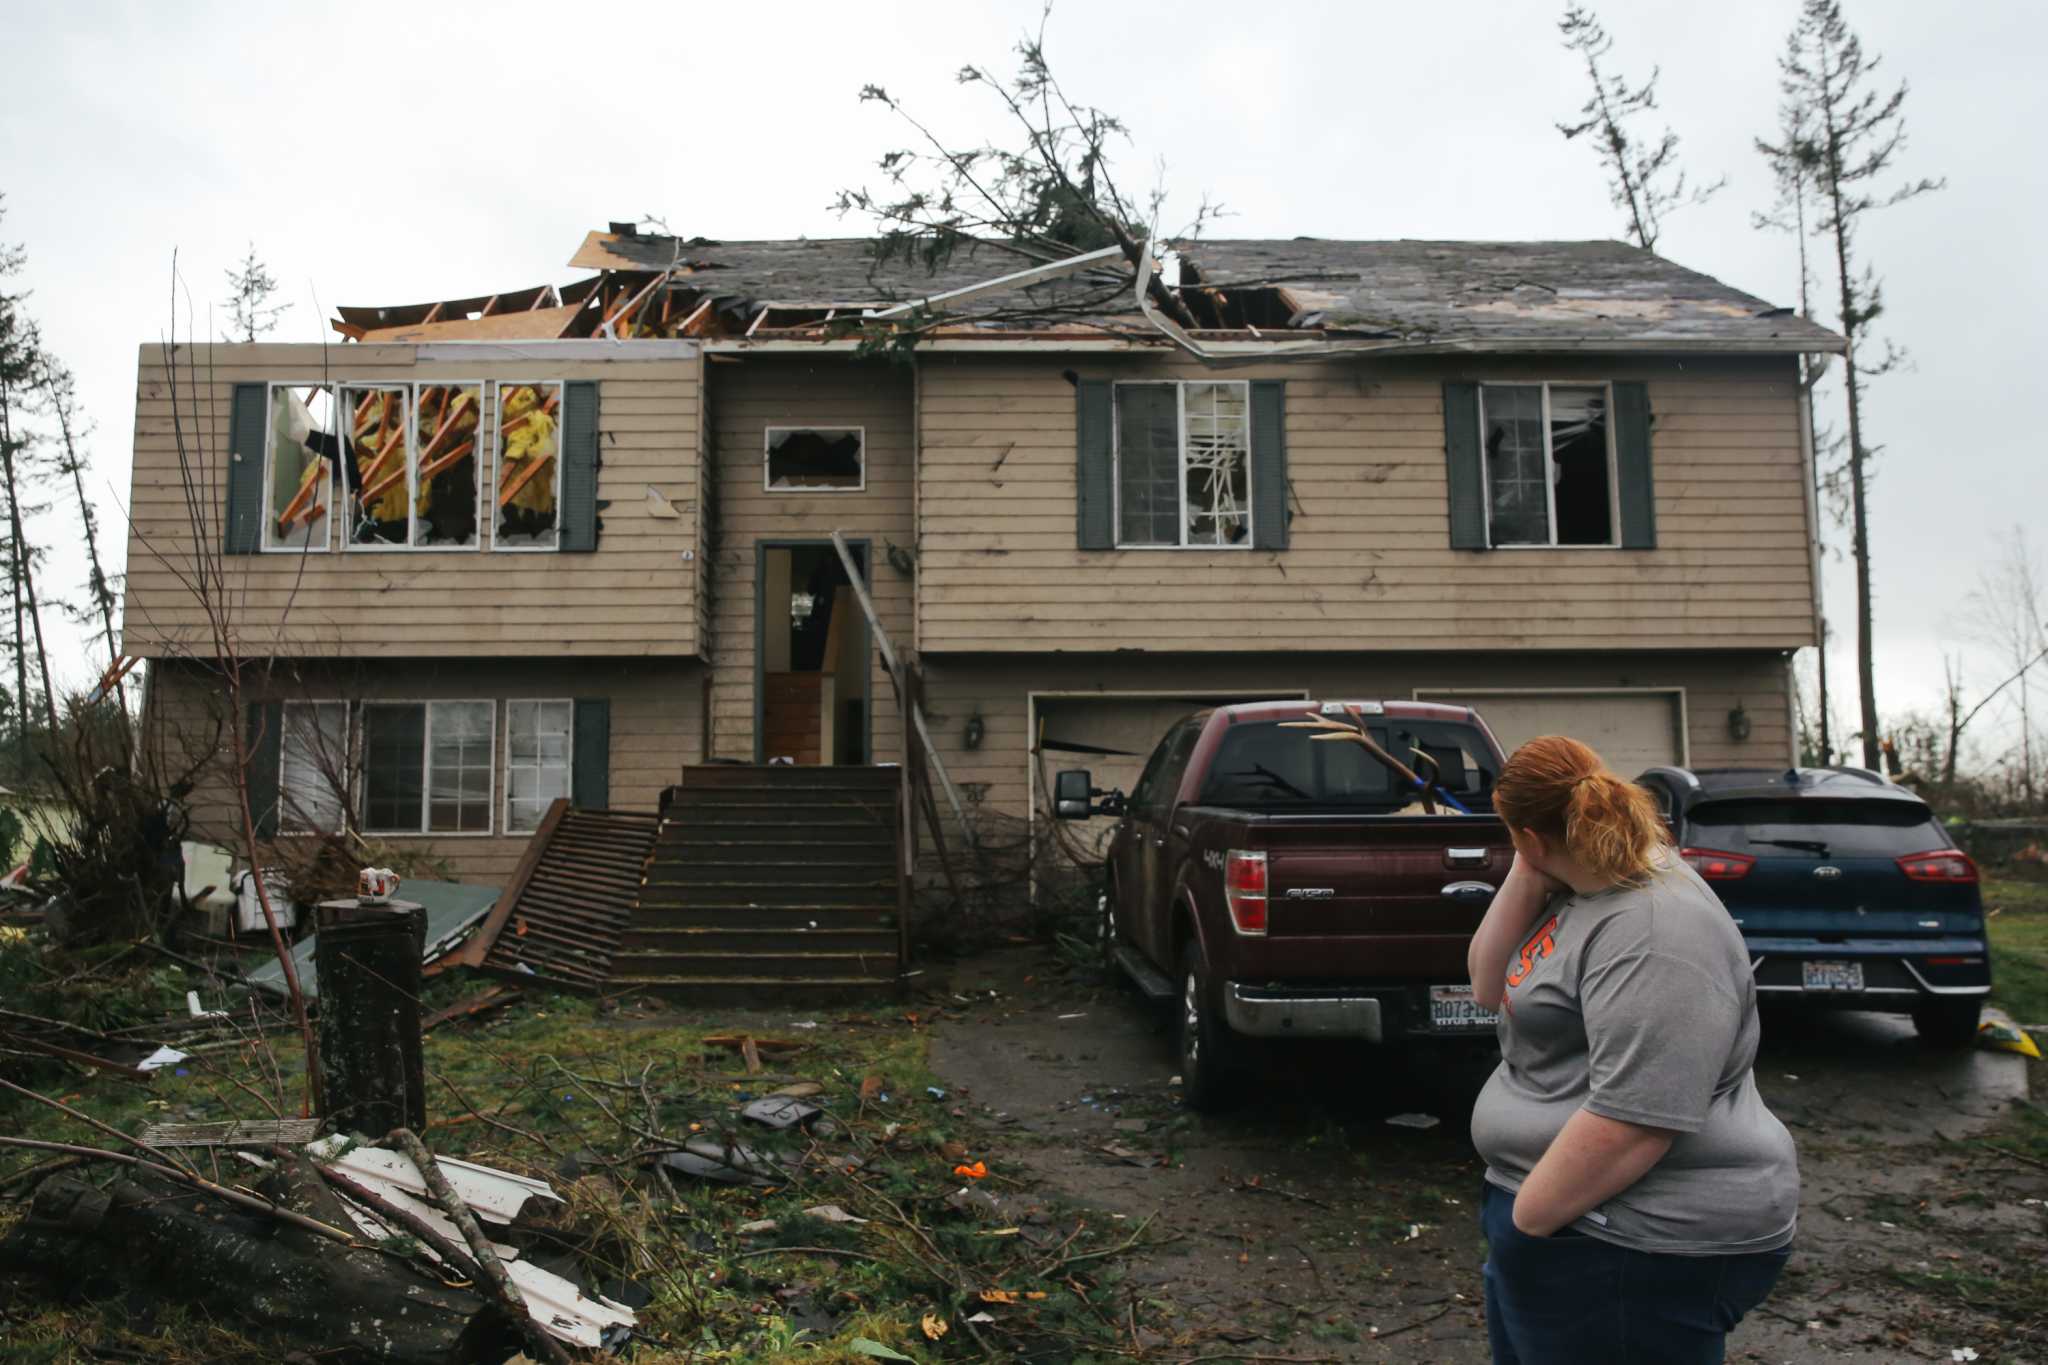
{"points": [[1847, 890]]}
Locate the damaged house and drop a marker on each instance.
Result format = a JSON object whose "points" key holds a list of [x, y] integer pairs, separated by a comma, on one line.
{"points": [[575, 543]]}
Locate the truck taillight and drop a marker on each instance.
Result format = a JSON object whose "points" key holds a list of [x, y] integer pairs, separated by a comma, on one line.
{"points": [[1940, 865], [1717, 866], [1244, 890]]}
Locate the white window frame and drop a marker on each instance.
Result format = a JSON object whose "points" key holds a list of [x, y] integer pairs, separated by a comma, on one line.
{"points": [[263, 544], [768, 443], [1180, 405], [498, 387], [348, 763], [345, 418], [1550, 464], [427, 769], [505, 806]]}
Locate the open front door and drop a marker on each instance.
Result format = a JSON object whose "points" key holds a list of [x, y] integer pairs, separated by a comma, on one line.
{"points": [[812, 680]]}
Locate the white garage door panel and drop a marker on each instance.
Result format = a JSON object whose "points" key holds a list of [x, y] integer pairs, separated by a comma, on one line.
{"points": [[1631, 730]]}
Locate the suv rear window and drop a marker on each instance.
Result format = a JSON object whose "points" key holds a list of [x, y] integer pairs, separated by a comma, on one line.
{"points": [[1261, 765], [1769, 828]]}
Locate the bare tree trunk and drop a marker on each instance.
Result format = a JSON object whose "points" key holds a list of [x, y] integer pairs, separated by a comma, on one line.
{"points": [[103, 594], [23, 567]]}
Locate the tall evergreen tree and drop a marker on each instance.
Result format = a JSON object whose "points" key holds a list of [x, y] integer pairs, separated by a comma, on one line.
{"points": [[20, 360], [1643, 178], [1843, 132], [251, 314]]}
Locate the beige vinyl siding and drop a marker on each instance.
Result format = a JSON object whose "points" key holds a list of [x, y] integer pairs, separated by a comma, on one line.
{"points": [[995, 776], [746, 398], [1369, 563], [655, 729], [635, 594]]}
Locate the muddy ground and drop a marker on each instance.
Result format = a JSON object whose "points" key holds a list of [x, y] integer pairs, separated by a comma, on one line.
{"points": [[1305, 1226]]}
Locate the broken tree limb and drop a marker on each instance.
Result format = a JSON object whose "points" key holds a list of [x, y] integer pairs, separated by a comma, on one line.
{"points": [[455, 1258], [494, 1274], [255, 1203], [859, 584]]}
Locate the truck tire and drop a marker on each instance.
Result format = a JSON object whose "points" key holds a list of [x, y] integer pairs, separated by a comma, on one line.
{"points": [[1947, 1021], [1210, 1074]]}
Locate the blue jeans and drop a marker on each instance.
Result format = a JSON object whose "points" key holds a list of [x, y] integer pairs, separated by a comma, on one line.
{"points": [[1570, 1299]]}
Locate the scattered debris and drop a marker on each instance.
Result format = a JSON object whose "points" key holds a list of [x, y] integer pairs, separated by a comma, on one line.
{"points": [[782, 1111], [1420, 1122], [868, 1346], [454, 909], [234, 1133], [490, 998], [1996, 1030], [832, 1213]]}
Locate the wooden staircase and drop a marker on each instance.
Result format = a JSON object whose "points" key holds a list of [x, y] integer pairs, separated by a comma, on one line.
{"points": [[767, 881]]}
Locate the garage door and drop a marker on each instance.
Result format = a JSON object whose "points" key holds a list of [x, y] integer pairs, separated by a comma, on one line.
{"points": [[1631, 730]]}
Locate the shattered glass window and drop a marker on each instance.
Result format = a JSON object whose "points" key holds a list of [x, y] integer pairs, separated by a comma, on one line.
{"points": [[816, 459], [1517, 465], [376, 464], [1217, 464], [1549, 464], [313, 767], [445, 481], [538, 735], [1147, 464], [299, 474], [459, 767], [529, 473]]}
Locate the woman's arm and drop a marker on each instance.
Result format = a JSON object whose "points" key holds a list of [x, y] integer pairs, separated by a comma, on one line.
{"points": [[1592, 1159], [1525, 892]]}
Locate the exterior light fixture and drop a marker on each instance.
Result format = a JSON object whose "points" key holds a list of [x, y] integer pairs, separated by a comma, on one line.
{"points": [[1738, 723], [976, 731]]}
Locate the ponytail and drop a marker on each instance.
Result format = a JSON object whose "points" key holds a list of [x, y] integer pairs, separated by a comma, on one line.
{"points": [[1561, 789]]}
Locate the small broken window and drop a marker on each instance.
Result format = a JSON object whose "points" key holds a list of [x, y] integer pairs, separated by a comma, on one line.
{"points": [[529, 476], [1184, 464], [376, 464], [445, 482], [1549, 464], [817, 459], [299, 473]]}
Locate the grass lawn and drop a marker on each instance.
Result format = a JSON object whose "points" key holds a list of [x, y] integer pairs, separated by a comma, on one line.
{"points": [[578, 1093], [2017, 922]]}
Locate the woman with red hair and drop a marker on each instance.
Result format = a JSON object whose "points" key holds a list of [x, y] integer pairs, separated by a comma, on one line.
{"points": [[1639, 1198]]}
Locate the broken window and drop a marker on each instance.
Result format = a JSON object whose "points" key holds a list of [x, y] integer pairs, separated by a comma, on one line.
{"points": [[529, 475], [1549, 464], [299, 471], [812, 459], [445, 467], [313, 767], [427, 767], [538, 739], [377, 464], [1183, 460]]}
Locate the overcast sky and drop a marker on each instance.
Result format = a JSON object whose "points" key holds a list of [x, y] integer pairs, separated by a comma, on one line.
{"points": [[384, 153]]}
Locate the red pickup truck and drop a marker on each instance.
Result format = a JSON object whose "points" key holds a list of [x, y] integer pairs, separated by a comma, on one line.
{"points": [[1282, 886]]}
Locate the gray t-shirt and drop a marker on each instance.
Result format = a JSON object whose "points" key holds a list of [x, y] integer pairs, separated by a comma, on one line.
{"points": [[1638, 1004]]}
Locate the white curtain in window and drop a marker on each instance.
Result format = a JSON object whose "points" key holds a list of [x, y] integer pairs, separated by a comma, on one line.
{"points": [[459, 767], [537, 747], [312, 780]]}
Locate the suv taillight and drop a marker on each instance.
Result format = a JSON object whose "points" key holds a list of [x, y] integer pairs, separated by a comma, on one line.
{"points": [[1717, 866], [1244, 890], [1940, 865]]}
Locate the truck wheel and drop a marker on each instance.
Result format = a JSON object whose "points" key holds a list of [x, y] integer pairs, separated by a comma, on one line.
{"points": [[1208, 1049], [1947, 1021]]}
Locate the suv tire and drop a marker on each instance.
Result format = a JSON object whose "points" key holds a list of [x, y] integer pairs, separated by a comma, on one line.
{"points": [[1208, 1050], [1948, 1021]]}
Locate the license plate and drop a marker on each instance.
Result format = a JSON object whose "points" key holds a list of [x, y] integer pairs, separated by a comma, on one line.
{"points": [[1452, 1009], [1832, 976]]}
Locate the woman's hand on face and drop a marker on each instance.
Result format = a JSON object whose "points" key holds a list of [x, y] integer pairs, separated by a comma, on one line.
{"points": [[1551, 885]]}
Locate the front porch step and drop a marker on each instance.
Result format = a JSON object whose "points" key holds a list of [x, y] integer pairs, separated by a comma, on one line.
{"points": [[724, 937], [740, 916], [764, 966], [759, 991]]}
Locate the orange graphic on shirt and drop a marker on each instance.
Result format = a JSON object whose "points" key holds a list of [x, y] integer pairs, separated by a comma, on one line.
{"points": [[1540, 945]]}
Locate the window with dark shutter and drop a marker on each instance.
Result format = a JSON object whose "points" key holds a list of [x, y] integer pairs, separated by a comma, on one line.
{"points": [[580, 461], [592, 750], [1270, 508], [1465, 469], [1094, 466], [1636, 486], [242, 533], [265, 746]]}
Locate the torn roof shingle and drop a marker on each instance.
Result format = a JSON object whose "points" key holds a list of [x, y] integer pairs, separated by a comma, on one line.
{"points": [[1403, 295]]}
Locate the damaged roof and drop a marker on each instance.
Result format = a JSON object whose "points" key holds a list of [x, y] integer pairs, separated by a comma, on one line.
{"points": [[1390, 295]]}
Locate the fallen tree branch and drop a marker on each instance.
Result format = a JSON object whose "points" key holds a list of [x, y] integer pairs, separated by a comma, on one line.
{"points": [[494, 1273], [89, 1121], [198, 1182], [458, 1261]]}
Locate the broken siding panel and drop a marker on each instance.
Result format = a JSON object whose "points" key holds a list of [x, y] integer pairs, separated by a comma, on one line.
{"points": [[655, 721], [635, 594], [996, 776], [1366, 461], [745, 400]]}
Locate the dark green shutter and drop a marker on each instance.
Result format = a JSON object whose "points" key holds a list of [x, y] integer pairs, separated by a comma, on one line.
{"points": [[1270, 509], [243, 534], [266, 745], [1637, 487], [1464, 466], [1094, 466], [590, 781], [579, 466]]}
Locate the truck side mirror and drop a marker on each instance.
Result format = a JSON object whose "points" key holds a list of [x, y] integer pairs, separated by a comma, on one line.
{"points": [[1071, 791]]}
